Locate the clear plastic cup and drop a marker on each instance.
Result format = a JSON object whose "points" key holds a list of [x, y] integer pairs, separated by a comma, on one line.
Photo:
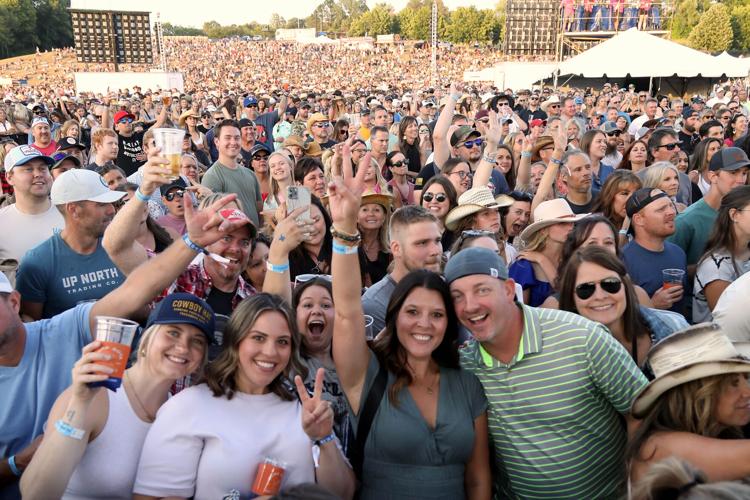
{"points": [[672, 277], [116, 335], [369, 320], [169, 140]]}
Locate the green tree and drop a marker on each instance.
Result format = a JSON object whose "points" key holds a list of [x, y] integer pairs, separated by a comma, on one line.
{"points": [[21, 16], [467, 24], [175, 30], [415, 22], [686, 17], [53, 25], [379, 21], [714, 30], [741, 28]]}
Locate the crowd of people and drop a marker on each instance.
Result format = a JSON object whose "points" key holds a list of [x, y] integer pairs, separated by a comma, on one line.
{"points": [[383, 292], [614, 15]]}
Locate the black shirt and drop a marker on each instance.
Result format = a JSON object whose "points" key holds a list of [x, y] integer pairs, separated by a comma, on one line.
{"points": [[220, 302], [688, 141], [428, 172], [580, 209], [130, 147], [527, 115], [374, 270]]}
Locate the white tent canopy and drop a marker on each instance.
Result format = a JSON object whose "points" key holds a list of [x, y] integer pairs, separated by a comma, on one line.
{"points": [[637, 54], [741, 65]]}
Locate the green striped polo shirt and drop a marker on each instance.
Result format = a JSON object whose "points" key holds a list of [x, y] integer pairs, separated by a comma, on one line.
{"points": [[554, 411]]}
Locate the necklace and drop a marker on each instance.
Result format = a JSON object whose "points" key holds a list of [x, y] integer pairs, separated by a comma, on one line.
{"points": [[149, 416], [430, 388]]}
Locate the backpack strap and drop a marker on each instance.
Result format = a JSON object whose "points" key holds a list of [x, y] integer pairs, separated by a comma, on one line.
{"points": [[374, 396]]}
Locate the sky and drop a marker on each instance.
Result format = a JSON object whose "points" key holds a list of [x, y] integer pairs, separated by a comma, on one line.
{"points": [[195, 13]]}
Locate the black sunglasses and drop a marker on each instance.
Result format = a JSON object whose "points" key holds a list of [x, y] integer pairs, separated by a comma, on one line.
{"points": [[171, 196], [476, 142], [614, 133], [440, 197], [400, 163], [671, 146], [610, 285]]}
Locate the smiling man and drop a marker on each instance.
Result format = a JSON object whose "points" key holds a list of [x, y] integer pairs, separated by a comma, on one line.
{"points": [[557, 386]]}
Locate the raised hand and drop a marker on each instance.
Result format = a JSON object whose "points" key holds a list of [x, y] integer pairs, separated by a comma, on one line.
{"points": [[561, 138], [317, 414], [344, 193], [206, 226], [291, 232], [87, 371], [155, 172], [494, 130]]}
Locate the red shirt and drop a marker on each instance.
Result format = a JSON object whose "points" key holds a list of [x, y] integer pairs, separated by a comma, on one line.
{"points": [[48, 151]]}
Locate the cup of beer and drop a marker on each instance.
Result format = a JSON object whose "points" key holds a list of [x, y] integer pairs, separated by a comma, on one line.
{"points": [[672, 277], [116, 336], [169, 140], [268, 477]]}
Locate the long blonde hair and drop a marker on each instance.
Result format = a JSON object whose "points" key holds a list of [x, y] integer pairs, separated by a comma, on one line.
{"points": [[274, 184]]}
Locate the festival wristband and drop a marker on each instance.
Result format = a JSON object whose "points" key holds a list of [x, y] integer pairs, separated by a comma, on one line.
{"points": [[277, 268], [555, 161], [526, 154], [344, 249], [191, 245], [327, 439], [14, 468], [623, 232], [489, 159], [141, 197], [68, 430]]}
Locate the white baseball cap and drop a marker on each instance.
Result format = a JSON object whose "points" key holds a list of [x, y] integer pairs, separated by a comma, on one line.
{"points": [[82, 185], [21, 155], [5, 286]]}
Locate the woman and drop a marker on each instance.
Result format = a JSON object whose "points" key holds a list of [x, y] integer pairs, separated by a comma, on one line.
{"points": [[683, 161], [399, 185], [409, 143], [635, 157], [595, 284], [622, 123], [612, 198], [5, 125], [736, 129], [173, 346], [425, 139], [189, 453], [698, 171], [255, 272], [71, 128], [536, 267], [439, 197], [282, 177], [309, 173], [516, 217], [664, 175], [313, 256], [414, 364], [373, 180], [372, 223], [594, 144], [575, 130], [340, 130], [506, 164], [189, 121], [459, 173], [727, 253], [672, 478], [694, 408], [149, 233]]}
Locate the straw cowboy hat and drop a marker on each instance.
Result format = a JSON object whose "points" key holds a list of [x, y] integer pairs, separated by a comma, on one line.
{"points": [[549, 213], [552, 100], [187, 114], [310, 148], [694, 353], [383, 199], [475, 200]]}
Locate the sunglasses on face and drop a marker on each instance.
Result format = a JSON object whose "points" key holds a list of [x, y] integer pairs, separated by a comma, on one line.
{"points": [[614, 133], [322, 125], [440, 197], [126, 120], [554, 106], [609, 285], [174, 194], [727, 117], [485, 120], [400, 163], [671, 146], [260, 157], [476, 142], [359, 150]]}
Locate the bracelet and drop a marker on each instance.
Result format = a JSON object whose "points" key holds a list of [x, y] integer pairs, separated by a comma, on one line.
{"points": [[68, 430], [526, 154], [191, 245], [623, 232], [489, 160], [455, 97], [327, 439], [277, 268], [349, 238], [555, 161], [344, 249], [17, 472], [141, 197]]}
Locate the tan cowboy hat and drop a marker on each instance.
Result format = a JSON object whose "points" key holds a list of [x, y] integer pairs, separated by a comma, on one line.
{"points": [[549, 213], [694, 353], [383, 199], [552, 100], [311, 148], [184, 116], [475, 200]]}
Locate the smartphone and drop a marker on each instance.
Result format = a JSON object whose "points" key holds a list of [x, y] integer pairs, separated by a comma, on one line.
{"points": [[297, 197]]}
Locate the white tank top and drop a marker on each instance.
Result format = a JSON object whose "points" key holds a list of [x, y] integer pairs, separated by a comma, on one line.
{"points": [[108, 467]]}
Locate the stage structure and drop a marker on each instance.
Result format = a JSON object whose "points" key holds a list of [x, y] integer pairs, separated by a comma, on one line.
{"points": [[550, 29]]}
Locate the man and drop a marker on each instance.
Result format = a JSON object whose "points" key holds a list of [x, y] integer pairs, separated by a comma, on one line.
{"points": [[568, 109], [173, 197], [364, 124], [379, 146], [556, 435], [32, 218], [552, 106], [506, 114], [247, 135], [380, 119], [72, 147], [227, 176], [727, 170], [533, 112], [425, 107], [652, 216], [71, 266], [113, 176], [719, 97], [36, 358], [663, 145], [467, 144], [259, 161], [742, 99], [63, 163], [130, 154], [319, 128], [263, 123], [648, 109], [612, 157], [304, 111], [687, 135], [106, 148], [42, 134], [713, 129], [578, 177], [415, 243]]}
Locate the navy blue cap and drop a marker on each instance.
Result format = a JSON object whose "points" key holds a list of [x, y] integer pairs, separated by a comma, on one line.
{"points": [[259, 146], [249, 101], [475, 260], [184, 308], [177, 183]]}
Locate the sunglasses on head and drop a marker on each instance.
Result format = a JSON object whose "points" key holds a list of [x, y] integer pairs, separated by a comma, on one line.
{"points": [[400, 163], [609, 285], [174, 194], [440, 197], [304, 278], [476, 142]]}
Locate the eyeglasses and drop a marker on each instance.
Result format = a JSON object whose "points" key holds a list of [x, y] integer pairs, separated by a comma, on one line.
{"points": [[39, 112], [322, 125], [461, 174], [440, 197], [609, 285], [174, 194], [476, 142], [126, 120], [400, 163], [359, 150], [614, 133], [671, 146]]}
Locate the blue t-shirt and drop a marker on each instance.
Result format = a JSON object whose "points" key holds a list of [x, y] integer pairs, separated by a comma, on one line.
{"points": [[599, 180], [53, 274], [28, 391], [267, 121], [522, 273], [645, 267]]}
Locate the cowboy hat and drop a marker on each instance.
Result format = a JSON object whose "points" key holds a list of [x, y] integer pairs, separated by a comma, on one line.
{"points": [[309, 148], [184, 116], [475, 200], [694, 353], [552, 100], [549, 213], [382, 199]]}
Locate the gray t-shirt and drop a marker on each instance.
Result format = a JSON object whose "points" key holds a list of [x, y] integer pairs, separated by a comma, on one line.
{"points": [[240, 181], [375, 301]]}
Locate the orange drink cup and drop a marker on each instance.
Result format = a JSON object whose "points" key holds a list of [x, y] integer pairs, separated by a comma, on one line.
{"points": [[116, 336]]}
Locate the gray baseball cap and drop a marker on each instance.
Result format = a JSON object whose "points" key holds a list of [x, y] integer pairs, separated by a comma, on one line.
{"points": [[475, 260]]}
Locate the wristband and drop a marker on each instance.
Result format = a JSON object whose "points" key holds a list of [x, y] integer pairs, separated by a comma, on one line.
{"points": [[344, 249], [526, 154], [17, 472], [623, 232], [327, 439], [192, 246], [68, 430], [489, 159], [141, 197], [277, 268], [555, 161]]}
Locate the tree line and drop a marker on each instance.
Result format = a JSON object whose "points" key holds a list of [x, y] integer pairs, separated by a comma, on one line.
{"points": [[26, 25]]}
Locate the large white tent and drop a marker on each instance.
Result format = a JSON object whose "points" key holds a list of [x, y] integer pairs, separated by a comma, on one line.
{"points": [[636, 54], [740, 64]]}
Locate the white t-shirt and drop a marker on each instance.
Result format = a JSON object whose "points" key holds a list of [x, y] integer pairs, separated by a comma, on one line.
{"points": [[717, 266], [731, 309], [204, 446], [22, 232]]}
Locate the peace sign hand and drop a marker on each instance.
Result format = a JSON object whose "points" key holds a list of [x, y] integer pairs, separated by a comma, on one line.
{"points": [[317, 414]]}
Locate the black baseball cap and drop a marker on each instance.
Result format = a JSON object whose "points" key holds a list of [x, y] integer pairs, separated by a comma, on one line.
{"points": [[69, 143], [729, 159], [246, 123], [641, 198], [462, 134]]}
